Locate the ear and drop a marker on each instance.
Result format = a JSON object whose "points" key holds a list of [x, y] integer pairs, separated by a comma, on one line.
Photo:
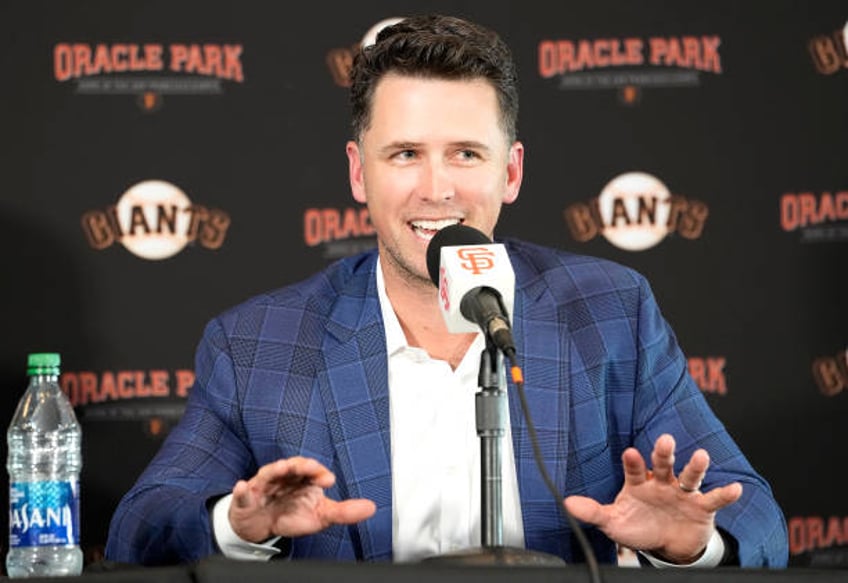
{"points": [[354, 160], [514, 172]]}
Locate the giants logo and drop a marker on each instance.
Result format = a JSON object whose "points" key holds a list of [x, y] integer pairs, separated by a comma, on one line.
{"points": [[829, 52], [636, 211], [476, 260], [340, 61], [155, 220], [831, 373]]}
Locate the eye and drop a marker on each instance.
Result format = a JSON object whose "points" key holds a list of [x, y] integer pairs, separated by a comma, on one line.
{"points": [[404, 155], [468, 155]]}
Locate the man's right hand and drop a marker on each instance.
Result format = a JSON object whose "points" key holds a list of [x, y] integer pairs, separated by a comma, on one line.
{"points": [[286, 498]]}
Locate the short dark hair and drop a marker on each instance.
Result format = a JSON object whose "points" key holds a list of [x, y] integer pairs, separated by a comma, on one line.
{"points": [[435, 46]]}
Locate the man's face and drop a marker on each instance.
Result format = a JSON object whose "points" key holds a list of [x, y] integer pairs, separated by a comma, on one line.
{"points": [[434, 155]]}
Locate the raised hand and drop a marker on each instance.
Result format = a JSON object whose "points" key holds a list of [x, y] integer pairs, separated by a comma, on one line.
{"points": [[286, 498], [657, 511]]}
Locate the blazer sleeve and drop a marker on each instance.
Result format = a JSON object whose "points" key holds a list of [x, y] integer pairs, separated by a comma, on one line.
{"points": [[668, 401], [165, 517]]}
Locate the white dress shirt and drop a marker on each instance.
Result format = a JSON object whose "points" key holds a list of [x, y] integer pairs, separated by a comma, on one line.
{"points": [[436, 450]]}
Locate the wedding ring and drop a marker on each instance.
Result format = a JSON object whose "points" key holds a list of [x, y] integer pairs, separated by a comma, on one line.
{"points": [[687, 489]]}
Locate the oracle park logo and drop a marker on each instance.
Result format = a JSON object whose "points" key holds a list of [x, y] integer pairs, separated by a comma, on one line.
{"points": [[340, 60], [628, 64], [155, 220], [816, 216], [824, 537], [340, 232], [154, 397], [708, 373], [635, 211], [148, 71]]}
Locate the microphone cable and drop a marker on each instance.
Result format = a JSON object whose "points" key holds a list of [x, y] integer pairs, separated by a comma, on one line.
{"points": [[588, 552]]}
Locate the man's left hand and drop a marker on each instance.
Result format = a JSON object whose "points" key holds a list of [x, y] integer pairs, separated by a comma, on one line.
{"points": [[656, 511]]}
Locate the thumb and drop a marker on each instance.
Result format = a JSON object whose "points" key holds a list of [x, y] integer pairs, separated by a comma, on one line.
{"points": [[347, 511], [586, 510], [242, 497]]}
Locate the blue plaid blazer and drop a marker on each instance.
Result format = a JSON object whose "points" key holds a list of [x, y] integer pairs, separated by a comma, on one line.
{"points": [[303, 371]]}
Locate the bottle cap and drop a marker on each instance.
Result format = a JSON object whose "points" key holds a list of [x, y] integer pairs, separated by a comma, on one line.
{"points": [[43, 363]]}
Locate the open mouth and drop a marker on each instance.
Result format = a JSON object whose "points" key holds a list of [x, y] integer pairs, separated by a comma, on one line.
{"points": [[428, 229]]}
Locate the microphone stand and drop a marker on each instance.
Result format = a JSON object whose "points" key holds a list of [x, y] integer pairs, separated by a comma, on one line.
{"points": [[491, 412], [490, 408]]}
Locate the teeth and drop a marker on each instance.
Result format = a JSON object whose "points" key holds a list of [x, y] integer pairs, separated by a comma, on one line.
{"points": [[434, 225]]}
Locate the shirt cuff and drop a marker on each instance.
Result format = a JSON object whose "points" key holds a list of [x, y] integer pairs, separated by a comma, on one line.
{"points": [[231, 544], [711, 558]]}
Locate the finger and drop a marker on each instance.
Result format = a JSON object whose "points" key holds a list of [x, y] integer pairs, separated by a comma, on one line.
{"points": [[662, 458], [242, 497], [693, 473], [311, 471], [347, 511], [587, 510], [718, 498], [635, 471], [294, 471]]}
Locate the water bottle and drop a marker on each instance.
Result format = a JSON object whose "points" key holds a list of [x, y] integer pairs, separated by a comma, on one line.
{"points": [[44, 464]]}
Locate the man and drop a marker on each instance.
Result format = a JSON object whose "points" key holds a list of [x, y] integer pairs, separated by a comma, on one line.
{"points": [[334, 418]]}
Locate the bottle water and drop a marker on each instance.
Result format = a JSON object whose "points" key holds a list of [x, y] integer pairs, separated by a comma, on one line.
{"points": [[44, 464]]}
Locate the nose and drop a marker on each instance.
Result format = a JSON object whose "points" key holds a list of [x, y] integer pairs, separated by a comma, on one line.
{"points": [[435, 183]]}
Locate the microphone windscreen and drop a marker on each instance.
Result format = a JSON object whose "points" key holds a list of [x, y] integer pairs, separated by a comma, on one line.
{"points": [[454, 235]]}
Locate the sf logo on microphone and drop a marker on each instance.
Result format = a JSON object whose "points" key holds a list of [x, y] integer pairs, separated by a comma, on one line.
{"points": [[443, 288], [476, 259]]}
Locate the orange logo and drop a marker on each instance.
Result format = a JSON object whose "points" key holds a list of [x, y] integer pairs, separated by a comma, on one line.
{"points": [[340, 61], [109, 69], [87, 387], [831, 373], [828, 52], [443, 288], [74, 60], [635, 211], [688, 52], [155, 220], [803, 209], [808, 533], [476, 259], [335, 224], [708, 373]]}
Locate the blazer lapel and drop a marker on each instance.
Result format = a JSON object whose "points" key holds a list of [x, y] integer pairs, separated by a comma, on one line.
{"points": [[354, 389], [543, 355]]}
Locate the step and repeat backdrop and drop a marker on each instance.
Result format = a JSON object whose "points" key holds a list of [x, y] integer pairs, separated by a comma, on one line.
{"points": [[163, 161]]}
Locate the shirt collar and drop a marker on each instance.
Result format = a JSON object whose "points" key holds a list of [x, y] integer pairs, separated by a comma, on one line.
{"points": [[395, 338]]}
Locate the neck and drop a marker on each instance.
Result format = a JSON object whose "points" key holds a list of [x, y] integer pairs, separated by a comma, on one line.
{"points": [[416, 305]]}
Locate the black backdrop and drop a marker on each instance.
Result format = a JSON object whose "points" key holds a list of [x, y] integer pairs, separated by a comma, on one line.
{"points": [[737, 111]]}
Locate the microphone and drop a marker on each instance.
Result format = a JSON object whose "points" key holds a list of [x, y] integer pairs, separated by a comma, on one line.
{"points": [[476, 283]]}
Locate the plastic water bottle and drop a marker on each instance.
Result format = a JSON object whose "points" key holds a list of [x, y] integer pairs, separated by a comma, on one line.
{"points": [[44, 463]]}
